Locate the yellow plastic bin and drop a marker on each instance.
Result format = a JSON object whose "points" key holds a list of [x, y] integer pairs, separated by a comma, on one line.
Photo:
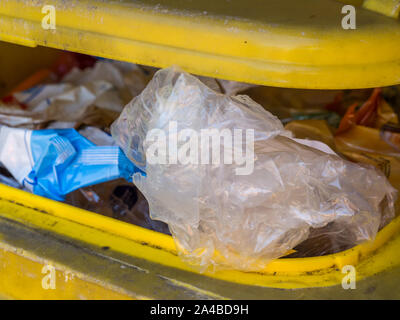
{"points": [[287, 43]]}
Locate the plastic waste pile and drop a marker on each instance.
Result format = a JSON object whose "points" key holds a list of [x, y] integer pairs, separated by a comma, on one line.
{"points": [[218, 216], [287, 190], [41, 152]]}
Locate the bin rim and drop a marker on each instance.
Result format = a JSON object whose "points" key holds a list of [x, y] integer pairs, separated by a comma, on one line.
{"points": [[305, 47], [307, 271]]}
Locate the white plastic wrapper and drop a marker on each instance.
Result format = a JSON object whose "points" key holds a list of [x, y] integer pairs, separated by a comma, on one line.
{"points": [[94, 96], [222, 218]]}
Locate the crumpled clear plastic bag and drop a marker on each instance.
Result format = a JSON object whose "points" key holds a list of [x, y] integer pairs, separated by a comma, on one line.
{"points": [[219, 218]]}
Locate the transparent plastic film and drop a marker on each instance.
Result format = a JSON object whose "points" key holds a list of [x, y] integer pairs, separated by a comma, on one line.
{"points": [[255, 205]]}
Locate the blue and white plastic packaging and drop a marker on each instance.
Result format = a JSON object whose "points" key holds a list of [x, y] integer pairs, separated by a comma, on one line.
{"points": [[55, 162]]}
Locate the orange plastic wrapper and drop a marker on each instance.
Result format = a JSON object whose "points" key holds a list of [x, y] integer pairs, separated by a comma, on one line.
{"points": [[366, 115]]}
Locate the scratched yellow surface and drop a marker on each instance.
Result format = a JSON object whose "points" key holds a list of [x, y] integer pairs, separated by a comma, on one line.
{"points": [[286, 43], [21, 277]]}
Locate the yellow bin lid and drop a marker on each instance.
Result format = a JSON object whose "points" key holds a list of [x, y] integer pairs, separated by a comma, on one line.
{"points": [[287, 43]]}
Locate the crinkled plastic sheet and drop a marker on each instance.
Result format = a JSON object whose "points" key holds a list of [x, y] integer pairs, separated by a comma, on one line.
{"points": [[243, 221]]}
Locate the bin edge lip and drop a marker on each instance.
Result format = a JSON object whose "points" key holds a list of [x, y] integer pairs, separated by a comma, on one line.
{"points": [[323, 70], [138, 234]]}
